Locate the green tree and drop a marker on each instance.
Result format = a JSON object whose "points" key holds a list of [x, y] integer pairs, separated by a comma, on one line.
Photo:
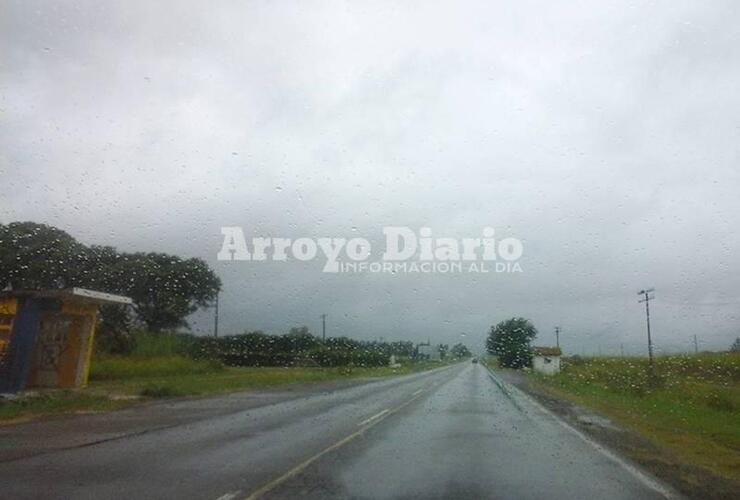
{"points": [[298, 339], [460, 350], [735, 347], [39, 256], [510, 342], [443, 350], [402, 348], [165, 288]]}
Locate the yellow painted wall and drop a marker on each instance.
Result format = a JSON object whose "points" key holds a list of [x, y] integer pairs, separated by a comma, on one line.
{"points": [[64, 347], [8, 305], [87, 317]]}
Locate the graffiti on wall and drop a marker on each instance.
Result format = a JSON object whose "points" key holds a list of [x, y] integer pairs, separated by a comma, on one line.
{"points": [[53, 341]]}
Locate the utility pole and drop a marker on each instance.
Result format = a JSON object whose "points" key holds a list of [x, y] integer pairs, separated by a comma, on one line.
{"points": [[621, 349], [215, 319], [696, 345], [557, 336], [647, 298], [323, 327]]}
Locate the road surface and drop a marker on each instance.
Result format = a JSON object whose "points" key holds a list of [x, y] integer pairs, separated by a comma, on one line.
{"points": [[456, 432]]}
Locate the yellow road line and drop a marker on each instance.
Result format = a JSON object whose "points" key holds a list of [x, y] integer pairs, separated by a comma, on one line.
{"points": [[303, 465], [229, 496], [368, 420]]}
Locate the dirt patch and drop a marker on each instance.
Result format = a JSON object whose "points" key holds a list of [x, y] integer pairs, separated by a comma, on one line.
{"points": [[693, 481]]}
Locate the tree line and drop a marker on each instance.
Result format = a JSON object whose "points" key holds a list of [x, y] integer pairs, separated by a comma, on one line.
{"points": [[165, 288], [300, 348]]}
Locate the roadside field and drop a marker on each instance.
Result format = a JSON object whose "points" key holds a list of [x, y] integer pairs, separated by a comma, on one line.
{"points": [[179, 376], [120, 381], [691, 406]]}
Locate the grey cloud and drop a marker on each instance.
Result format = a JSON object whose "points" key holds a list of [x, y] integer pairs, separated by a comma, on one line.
{"points": [[604, 136]]}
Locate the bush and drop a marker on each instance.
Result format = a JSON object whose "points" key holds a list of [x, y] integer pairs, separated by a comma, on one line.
{"points": [[343, 357], [259, 349], [574, 360], [114, 330], [115, 342], [149, 344], [721, 402], [143, 344]]}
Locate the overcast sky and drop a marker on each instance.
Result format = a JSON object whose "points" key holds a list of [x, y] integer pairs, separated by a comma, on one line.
{"points": [[604, 135]]}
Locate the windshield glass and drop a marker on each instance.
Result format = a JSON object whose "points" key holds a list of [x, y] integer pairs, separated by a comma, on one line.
{"points": [[394, 250]]}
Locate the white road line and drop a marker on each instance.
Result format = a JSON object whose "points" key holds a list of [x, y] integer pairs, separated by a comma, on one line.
{"points": [[377, 415], [302, 466], [229, 496], [417, 392], [644, 478]]}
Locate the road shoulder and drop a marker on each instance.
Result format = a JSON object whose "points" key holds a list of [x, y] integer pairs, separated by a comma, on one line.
{"points": [[690, 480], [50, 434]]}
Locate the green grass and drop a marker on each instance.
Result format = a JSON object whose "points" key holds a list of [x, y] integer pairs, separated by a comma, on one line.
{"points": [[114, 380], [125, 367], [691, 405], [150, 344], [166, 377], [56, 402], [157, 366]]}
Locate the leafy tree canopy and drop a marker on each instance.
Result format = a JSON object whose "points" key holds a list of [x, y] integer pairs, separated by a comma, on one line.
{"points": [[510, 342], [460, 350], [165, 289]]}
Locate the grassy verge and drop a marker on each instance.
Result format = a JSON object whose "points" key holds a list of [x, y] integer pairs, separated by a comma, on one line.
{"points": [[116, 381], [690, 407], [161, 377], [54, 403]]}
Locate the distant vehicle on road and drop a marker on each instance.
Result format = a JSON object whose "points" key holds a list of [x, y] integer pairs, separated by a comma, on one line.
{"points": [[475, 360]]}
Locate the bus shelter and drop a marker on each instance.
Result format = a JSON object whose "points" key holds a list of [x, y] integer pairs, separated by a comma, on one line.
{"points": [[46, 336]]}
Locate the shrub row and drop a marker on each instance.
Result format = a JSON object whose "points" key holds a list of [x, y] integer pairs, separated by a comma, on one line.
{"points": [[296, 348], [240, 350]]}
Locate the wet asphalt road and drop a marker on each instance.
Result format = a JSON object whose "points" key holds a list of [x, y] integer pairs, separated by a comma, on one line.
{"points": [[452, 433]]}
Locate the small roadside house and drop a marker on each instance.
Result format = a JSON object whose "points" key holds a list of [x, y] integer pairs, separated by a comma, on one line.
{"points": [[46, 336], [546, 360], [428, 351]]}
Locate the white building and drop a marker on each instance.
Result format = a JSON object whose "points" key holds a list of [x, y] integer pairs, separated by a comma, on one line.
{"points": [[546, 360], [430, 352]]}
